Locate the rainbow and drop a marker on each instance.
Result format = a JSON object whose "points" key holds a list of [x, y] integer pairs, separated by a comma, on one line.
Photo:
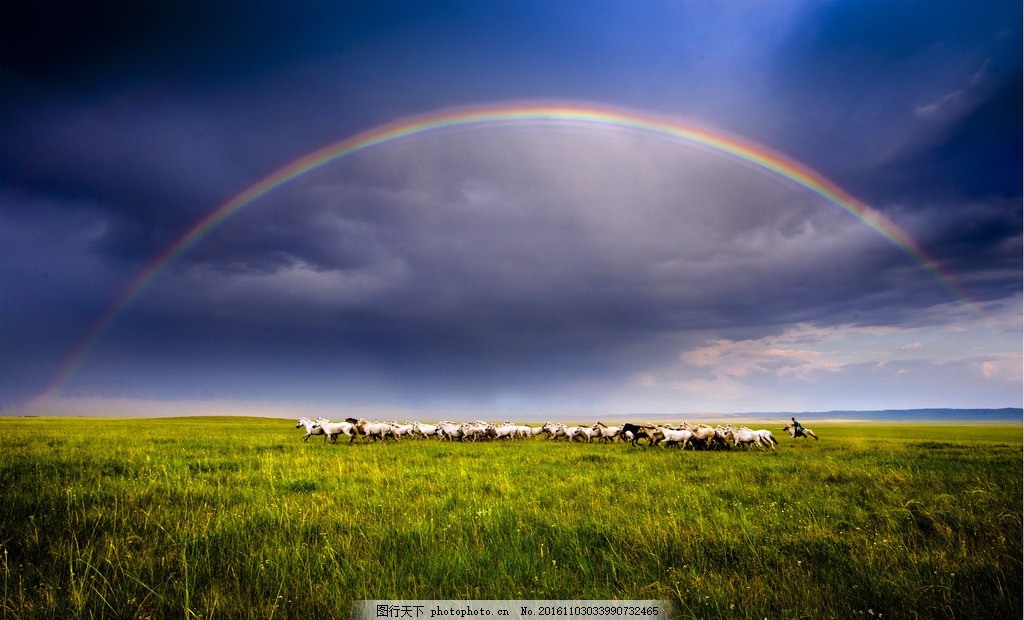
{"points": [[759, 156]]}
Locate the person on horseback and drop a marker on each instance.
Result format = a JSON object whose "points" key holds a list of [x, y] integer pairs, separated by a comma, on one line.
{"points": [[798, 428]]}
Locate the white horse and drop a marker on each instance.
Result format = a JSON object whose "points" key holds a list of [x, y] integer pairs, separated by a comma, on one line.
{"points": [[427, 430], [803, 432], [554, 431], [606, 433], [743, 435], [449, 430], [523, 431], [331, 430], [506, 431], [673, 437], [576, 432], [403, 430], [376, 430], [767, 438], [472, 431], [312, 428]]}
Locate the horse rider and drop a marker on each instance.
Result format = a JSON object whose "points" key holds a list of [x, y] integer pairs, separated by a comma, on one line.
{"points": [[798, 428]]}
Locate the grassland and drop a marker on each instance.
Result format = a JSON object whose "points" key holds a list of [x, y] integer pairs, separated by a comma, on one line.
{"points": [[237, 517]]}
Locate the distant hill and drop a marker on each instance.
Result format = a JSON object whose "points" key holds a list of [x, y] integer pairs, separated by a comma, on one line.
{"points": [[1009, 414]]}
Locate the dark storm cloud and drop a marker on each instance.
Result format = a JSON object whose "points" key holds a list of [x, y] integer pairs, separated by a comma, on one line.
{"points": [[491, 262], [147, 168], [502, 251], [157, 112]]}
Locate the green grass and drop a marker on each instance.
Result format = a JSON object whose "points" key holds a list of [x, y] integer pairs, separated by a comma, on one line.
{"points": [[230, 517]]}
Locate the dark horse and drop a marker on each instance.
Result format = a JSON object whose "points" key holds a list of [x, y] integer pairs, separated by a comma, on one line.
{"points": [[638, 432]]}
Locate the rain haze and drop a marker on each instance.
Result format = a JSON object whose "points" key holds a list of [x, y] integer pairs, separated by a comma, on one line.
{"points": [[520, 265]]}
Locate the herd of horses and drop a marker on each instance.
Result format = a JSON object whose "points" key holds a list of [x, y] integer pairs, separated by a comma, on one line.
{"points": [[684, 435]]}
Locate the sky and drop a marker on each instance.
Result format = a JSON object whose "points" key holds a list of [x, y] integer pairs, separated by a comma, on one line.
{"points": [[510, 267]]}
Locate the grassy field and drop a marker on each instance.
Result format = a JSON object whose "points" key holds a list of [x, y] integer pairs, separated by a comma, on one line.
{"points": [[237, 517]]}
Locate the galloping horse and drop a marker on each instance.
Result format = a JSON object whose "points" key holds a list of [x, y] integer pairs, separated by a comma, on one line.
{"points": [[804, 432], [312, 428]]}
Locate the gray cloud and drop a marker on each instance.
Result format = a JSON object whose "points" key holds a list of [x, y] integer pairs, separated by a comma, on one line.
{"points": [[504, 251], [499, 264]]}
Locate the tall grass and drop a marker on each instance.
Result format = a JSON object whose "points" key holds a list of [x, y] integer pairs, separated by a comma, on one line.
{"points": [[237, 517]]}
